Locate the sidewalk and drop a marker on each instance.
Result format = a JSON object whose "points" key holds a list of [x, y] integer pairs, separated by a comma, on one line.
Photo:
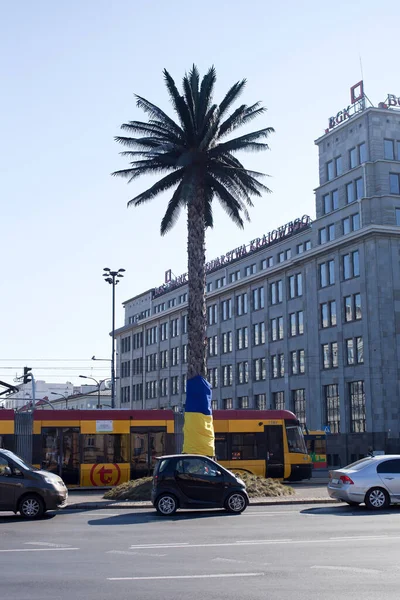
{"points": [[305, 493]]}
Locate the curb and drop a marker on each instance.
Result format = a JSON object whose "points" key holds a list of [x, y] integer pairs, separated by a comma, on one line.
{"points": [[147, 505]]}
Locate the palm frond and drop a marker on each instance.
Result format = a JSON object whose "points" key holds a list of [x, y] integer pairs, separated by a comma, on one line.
{"points": [[161, 186], [232, 95], [208, 214], [240, 117], [150, 142], [180, 105], [205, 96], [173, 210], [230, 204], [157, 113]]}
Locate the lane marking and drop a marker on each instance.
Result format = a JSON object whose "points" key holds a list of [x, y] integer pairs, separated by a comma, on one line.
{"points": [[134, 553], [239, 544], [38, 550], [349, 569], [214, 575], [49, 544]]}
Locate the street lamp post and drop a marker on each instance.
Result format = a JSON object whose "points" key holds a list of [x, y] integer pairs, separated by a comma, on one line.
{"points": [[62, 396], [98, 383], [113, 277]]}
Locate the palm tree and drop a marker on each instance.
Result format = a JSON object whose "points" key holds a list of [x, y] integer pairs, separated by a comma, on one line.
{"points": [[198, 161]]}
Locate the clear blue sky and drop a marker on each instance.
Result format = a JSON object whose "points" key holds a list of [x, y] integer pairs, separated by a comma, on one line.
{"points": [[68, 73]]}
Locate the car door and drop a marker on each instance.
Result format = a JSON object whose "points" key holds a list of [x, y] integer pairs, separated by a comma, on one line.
{"points": [[200, 481], [7, 486], [389, 473]]}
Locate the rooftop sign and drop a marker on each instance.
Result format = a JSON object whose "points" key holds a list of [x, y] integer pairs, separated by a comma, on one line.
{"points": [[276, 235], [357, 105]]}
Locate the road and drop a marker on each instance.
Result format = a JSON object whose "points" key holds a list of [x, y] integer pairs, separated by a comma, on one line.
{"points": [[278, 552]]}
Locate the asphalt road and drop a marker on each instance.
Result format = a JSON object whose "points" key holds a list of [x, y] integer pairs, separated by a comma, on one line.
{"points": [[280, 552]]}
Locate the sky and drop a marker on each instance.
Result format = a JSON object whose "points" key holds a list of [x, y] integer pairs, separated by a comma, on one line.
{"points": [[68, 73]]}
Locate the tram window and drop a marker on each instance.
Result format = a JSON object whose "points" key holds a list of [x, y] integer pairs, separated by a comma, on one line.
{"points": [[105, 448], [244, 446], [221, 446]]}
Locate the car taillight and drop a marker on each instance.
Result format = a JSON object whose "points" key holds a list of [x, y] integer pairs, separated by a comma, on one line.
{"points": [[346, 479]]}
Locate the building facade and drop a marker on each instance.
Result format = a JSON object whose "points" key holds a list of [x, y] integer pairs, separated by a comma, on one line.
{"points": [[306, 317]]}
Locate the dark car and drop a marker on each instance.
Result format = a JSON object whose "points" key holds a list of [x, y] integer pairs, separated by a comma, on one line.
{"points": [[193, 481], [28, 490]]}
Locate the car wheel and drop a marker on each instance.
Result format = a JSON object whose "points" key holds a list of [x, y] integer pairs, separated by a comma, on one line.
{"points": [[166, 505], [236, 502], [377, 499], [31, 507]]}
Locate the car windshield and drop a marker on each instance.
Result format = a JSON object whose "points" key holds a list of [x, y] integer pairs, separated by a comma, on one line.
{"points": [[359, 464], [295, 439], [20, 462]]}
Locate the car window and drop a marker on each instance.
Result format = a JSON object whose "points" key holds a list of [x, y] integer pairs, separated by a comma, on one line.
{"points": [[200, 466], [3, 464], [389, 466], [359, 464], [180, 468]]}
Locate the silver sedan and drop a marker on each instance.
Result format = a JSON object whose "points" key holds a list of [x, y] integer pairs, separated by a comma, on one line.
{"points": [[374, 480]]}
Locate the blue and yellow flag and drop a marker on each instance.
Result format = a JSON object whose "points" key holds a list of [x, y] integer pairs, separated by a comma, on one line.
{"points": [[198, 429]]}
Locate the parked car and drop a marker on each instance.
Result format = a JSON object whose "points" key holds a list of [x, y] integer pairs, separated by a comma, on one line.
{"points": [[28, 490], [194, 481], [374, 480]]}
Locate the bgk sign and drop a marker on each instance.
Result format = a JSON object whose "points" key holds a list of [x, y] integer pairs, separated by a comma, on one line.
{"points": [[357, 105]]}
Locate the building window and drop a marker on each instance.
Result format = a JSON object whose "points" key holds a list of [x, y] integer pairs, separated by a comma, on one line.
{"points": [[299, 404], [277, 329], [209, 286], [351, 265], [212, 314], [175, 385], [330, 171], [394, 182], [126, 368], [303, 247], [359, 183], [352, 308], [184, 353], [175, 356], [388, 147], [137, 392], [182, 298], [276, 292], [171, 302], [151, 390], [227, 342], [284, 255], [184, 321], [163, 387], [227, 377], [295, 285], [338, 166], [242, 338], [279, 400], [326, 234], [234, 276], [362, 152], [174, 327], [243, 401], [330, 201], [259, 334], [259, 369], [221, 282], [151, 363], [151, 335], [296, 323], [266, 263], [125, 345], [226, 309], [327, 273], [243, 372], [355, 351], [261, 401], [332, 407], [278, 365], [355, 190], [357, 406], [164, 359], [330, 355], [328, 314], [137, 366], [137, 340], [125, 394], [258, 298], [184, 383], [214, 404], [164, 331], [351, 223], [297, 362], [250, 270], [212, 345], [397, 212], [353, 158], [350, 197], [241, 304], [228, 403], [212, 377]]}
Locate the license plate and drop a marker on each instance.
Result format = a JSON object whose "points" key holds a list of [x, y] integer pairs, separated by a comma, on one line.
{"points": [[335, 481]]}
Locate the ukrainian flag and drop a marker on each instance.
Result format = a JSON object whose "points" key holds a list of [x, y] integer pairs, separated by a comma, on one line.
{"points": [[198, 429]]}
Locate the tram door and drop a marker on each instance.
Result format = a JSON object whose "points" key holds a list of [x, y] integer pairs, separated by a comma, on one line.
{"points": [[60, 453], [145, 446]]}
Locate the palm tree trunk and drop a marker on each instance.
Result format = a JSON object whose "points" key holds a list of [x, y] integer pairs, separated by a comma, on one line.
{"points": [[197, 323]]}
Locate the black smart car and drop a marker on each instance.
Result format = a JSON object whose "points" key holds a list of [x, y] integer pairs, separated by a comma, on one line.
{"points": [[193, 481]]}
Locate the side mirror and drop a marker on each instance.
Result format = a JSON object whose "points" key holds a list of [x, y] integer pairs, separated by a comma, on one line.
{"points": [[218, 473]]}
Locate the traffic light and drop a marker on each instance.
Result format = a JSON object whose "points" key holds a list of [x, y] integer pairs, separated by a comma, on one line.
{"points": [[27, 377]]}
